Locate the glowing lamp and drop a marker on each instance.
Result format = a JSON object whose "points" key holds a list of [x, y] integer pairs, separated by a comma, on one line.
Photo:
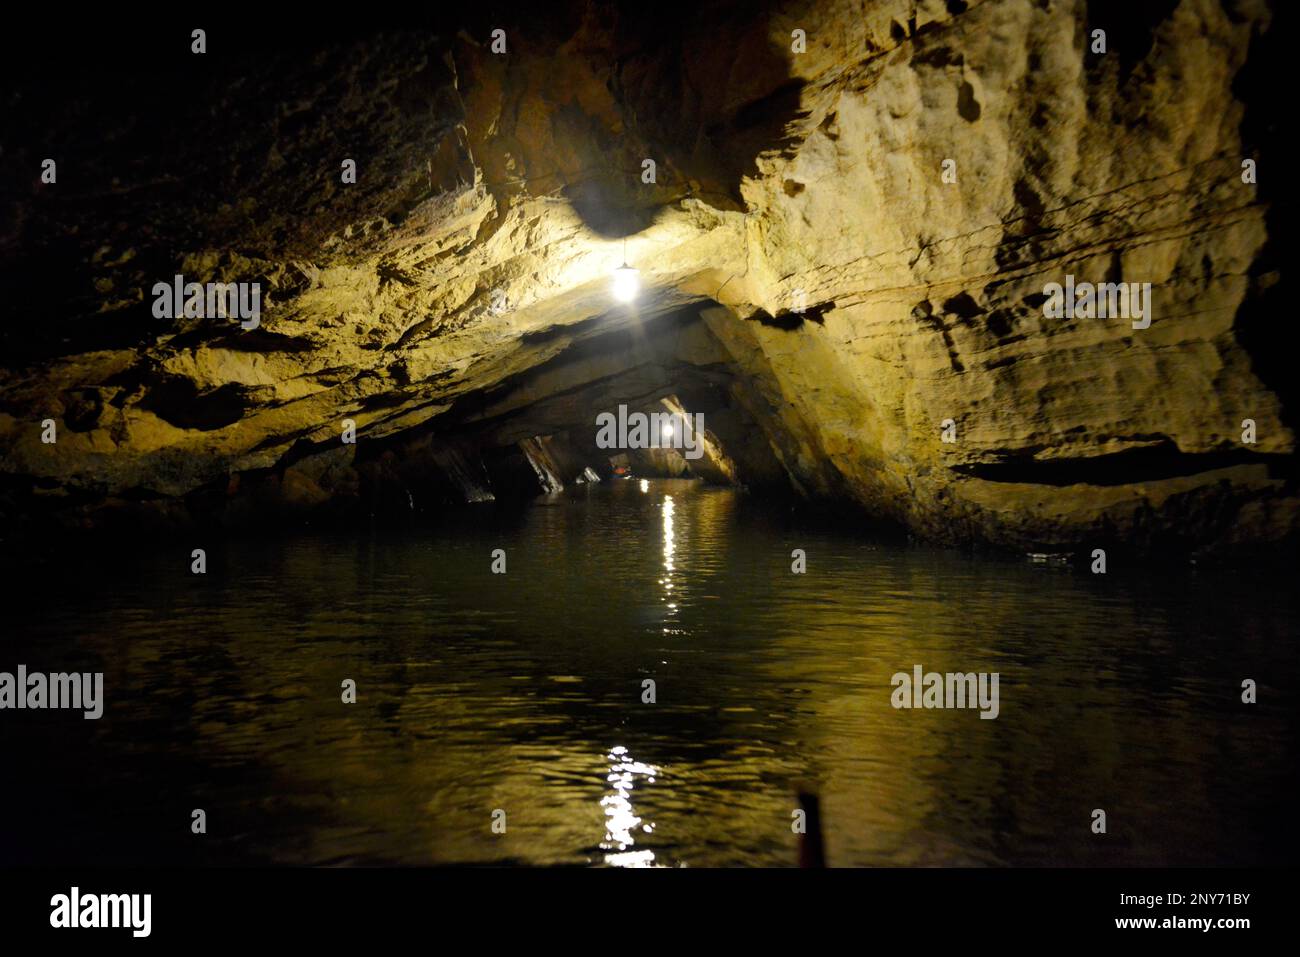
{"points": [[627, 283]]}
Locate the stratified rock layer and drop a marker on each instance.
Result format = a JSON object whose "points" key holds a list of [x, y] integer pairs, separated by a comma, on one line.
{"points": [[812, 280]]}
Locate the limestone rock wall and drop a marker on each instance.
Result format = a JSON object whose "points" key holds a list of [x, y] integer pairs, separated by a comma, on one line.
{"points": [[809, 273], [1100, 166]]}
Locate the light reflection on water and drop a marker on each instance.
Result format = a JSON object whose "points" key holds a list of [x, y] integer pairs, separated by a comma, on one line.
{"points": [[524, 692], [623, 825], [667, 580]]}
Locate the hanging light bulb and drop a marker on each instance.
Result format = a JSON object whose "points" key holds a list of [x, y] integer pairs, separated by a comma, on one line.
{"points": [[627, 281]]}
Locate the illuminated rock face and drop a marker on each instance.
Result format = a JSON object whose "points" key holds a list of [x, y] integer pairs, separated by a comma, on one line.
{"points": [[843, 258]]}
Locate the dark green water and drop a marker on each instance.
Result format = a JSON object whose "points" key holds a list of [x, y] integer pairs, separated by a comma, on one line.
{"points": [[523, 692]]}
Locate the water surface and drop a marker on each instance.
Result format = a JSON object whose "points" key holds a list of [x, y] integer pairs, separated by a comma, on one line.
{"points": [[523, 693]]}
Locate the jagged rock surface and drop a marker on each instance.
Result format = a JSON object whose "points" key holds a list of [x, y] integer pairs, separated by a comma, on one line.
{"points": [[454, 302]]}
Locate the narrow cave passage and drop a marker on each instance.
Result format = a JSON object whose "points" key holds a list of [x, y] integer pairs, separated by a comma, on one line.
{"points": [[595, 434], [654, 399]]}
